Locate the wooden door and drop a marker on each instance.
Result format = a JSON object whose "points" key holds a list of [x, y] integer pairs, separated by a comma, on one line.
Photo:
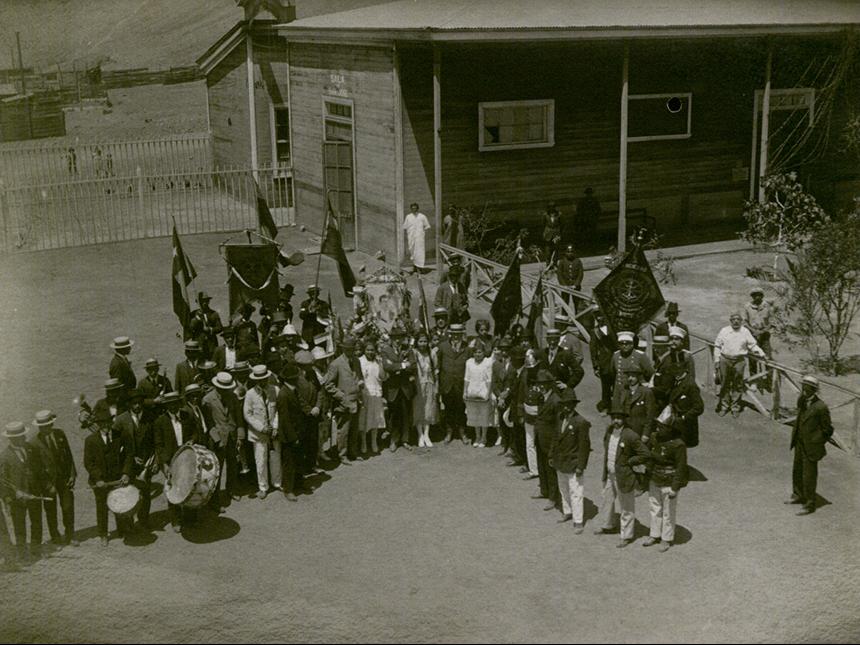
{"points": [[338, 183]]}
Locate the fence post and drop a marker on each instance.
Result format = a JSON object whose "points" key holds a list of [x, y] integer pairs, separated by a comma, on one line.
{"points": [[4, 215], [857, 427], [777, 396], [139, 172], [709, 376]]}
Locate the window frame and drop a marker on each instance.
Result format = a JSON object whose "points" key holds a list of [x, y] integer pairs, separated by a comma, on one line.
{"points": [[549, 104], [273, 120], [666, 137]]}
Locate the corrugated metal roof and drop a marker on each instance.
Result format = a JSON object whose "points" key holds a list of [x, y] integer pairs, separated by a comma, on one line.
{"points": [[483, 15]]}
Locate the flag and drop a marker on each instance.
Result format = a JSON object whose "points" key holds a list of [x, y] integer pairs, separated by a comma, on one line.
{"points": [[182, 274], [333, 247], [535, 323], [509, 298], [423, 313], [629, 295], [267, 224], [253, 274]]}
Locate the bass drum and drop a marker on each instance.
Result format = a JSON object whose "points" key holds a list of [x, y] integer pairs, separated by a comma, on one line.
{"points": [[194, 474]]}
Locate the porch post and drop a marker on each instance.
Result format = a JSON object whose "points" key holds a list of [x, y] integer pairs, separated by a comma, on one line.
{"points": [[252, 103], [765, 123], [437, 154], [399, 190], [622, 166]]}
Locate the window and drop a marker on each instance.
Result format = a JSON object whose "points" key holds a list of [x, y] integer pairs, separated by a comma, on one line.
{"points": [[282, 135], [510, 125], [658, 117], [337, 120]]}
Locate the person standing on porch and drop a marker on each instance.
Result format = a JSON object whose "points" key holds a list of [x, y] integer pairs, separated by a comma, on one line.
{"points": [[415, 224], [731, 348]]}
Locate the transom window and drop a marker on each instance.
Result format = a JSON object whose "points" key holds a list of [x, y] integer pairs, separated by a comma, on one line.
{"points": [[510, 125]]}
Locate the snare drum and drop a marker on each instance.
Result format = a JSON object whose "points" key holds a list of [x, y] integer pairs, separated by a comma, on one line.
{"points": [[194, 475], [123, 501]]}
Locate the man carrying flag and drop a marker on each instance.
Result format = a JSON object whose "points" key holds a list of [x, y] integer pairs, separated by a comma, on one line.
{"points": [[333, 247], [267, 223], [182, 274], [509, 298], [535, 322]]}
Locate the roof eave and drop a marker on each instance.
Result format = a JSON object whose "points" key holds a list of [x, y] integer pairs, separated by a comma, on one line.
{"points": [[228, 42]]}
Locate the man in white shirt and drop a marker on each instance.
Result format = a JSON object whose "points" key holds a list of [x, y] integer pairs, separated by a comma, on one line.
{"points": [[261, 416], [731, 348]]}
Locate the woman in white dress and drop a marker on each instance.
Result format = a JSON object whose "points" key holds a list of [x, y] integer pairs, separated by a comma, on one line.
{"points": [[372, 414], [415, 224], [425, 410], [477, 394]]}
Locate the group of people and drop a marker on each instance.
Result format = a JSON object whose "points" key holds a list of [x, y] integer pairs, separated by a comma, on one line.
{"points": [[275, 404]]}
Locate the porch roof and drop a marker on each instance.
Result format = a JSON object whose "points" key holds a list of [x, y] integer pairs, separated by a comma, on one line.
{"points": [[465, 20]]}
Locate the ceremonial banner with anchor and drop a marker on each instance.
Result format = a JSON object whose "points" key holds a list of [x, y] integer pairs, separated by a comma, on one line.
{"points": [[629, 296], [253, 274]]}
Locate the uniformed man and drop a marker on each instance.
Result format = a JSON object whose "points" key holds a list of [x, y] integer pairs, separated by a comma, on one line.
{"points": [[812, 429], [104, 459], [313, 310], [674, 361], [60, 471], [120, 364], [205, 325], [570, 273], [626, 356]]}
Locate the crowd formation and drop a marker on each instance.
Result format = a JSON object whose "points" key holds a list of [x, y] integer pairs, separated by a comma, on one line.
{"points": [[275, 403]]}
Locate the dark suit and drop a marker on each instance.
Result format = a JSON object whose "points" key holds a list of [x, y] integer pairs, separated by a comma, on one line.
{"points": [[547, 425], [669, 365], [140, 447], [225, 421], [186, 374], [569, 453], [166, 446], [289, 428], [602, 347], [60, 471], [503, 384], [630, 452], [455, 300], [565, 366], [452, 372], [104, 463], [120, 369], [812, 429], [204, 327], [687, 407], [641, 408], [21, 469], [669, 464], [152, 389], [398, 389], [310, 396]]}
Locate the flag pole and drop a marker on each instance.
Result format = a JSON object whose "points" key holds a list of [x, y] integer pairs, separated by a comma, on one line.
{"points": [[322, 237]]}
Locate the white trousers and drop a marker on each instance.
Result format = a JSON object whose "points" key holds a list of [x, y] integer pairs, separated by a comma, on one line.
{"points": [[531, 451], [662, 512], [572, 495], [268, 459], [626, 503]]}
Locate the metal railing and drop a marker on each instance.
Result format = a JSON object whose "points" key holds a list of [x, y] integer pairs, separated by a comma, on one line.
{"points": [[138, 206], [486, 275]]}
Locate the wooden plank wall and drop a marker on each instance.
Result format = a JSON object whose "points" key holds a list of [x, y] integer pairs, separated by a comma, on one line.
{"points": [[584, 80], [228, 111], [363, 74]]}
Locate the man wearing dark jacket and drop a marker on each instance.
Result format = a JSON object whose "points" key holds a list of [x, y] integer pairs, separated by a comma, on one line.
{"points": [[546, 432], [452, 357], [120, 366], [187, 370], [668, 477], [104, 459], [398, 363], [569, 457], [638, 402], [289, 422], [812, 429], [22, 484], [60, 476], [135, 430], [602, 347], [172, 429], [563, 364], [623, 450], [687, 406], [226, 422]]}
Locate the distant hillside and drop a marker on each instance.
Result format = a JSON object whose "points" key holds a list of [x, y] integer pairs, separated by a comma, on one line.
{"points": [[126, 33]]}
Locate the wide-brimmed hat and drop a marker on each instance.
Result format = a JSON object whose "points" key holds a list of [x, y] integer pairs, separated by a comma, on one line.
{"points": [[203, 296], [260, 373], [672, 308], [151, 362], [113, 384], [44, 418], [205, 366], [192, 346], [170, 397], [457, 328], [304, 358], [122, 342], [544, 376], [288, 288], [102, 417], [14, 429], [568, 396], [623, 336], [223, 381]]}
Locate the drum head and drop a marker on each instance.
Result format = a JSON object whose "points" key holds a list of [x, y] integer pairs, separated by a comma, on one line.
{"points": [[183, 475], [123, 500]]}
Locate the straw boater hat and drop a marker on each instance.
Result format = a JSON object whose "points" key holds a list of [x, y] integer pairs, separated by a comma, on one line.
{"points": [[553, 331], [313, 287], [192, 346], [44, 418], [122, 342], [113, 384], [170, 397], [14, 429], [456, 328], [260, 373], [151, 362], [207, 365], [224, 381], [193, 389], [240, 367]]}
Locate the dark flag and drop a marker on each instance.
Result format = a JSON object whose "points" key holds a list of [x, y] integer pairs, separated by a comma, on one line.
{"points": [[509, 299], [267, 223], [253, 274], [182, 274], [629, 296], [333, 247], [423, 313], [535, 322]]}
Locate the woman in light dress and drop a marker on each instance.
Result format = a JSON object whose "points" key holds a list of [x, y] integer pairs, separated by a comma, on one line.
{"points": [[372, 414], [425, 408], [477, 394]]}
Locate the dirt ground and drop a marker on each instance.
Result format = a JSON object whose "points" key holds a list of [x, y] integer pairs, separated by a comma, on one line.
{"points": [[442, 544]]}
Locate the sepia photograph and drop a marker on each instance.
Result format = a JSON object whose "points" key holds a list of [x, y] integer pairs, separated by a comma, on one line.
{"points": [[430, 321]]}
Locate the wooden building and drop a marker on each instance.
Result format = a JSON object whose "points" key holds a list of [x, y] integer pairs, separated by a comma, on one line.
{"points": [[660, 106]]}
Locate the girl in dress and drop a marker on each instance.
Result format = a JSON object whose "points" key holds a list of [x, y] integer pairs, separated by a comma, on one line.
{"points": [[477, 394], [425, 410], [372, 415]]}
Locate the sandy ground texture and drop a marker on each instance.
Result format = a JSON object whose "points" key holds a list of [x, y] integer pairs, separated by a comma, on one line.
{"points": [[442, 544]]}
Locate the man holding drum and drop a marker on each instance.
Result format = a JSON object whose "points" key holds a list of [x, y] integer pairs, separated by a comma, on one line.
{"points": [[172, 430], [104, 456], [136, 432]]}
